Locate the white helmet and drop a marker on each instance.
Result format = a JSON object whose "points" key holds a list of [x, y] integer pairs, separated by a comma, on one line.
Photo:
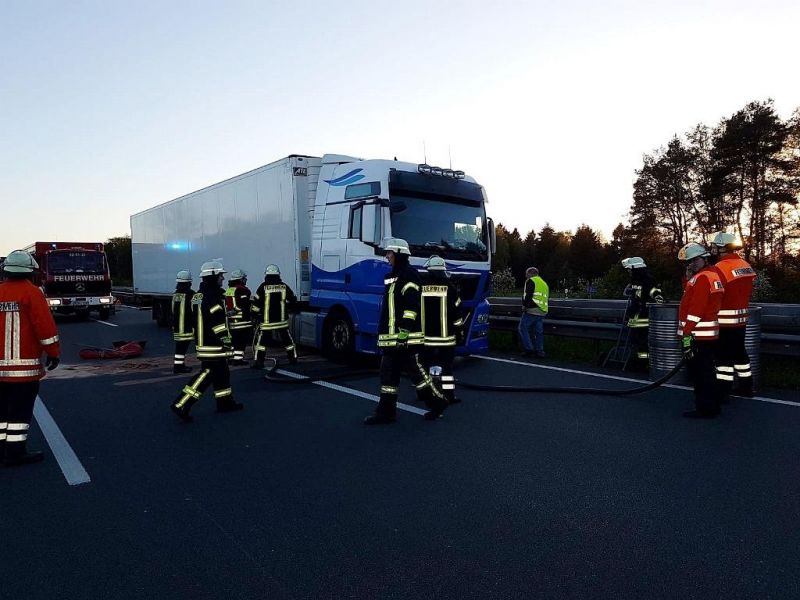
{"points": [[212, 267], [183, 277], [20, 261], [237, 274], [396, 245], [272, 270], [726, 240], [634, 262], [435, 263], [692, 250]]}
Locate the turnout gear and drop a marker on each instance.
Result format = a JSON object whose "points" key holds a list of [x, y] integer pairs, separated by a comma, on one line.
{"points": [[237, 304], [183, 277], [270, 303], [441, 316], [28, 328], [733, 361], [641, 291], [182, 322], [210, 337], [400, 336], [20, 261], [697, 319]]}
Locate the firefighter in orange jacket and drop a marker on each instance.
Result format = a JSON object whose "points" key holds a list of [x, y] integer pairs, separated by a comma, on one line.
{"points": [[698, 328], [738, 277], [29, 330]]}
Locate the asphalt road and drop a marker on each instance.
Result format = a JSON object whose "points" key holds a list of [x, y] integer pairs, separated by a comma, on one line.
{"points": [[507, 496]]}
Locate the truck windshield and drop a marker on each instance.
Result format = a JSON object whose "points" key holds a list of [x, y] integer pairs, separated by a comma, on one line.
{"points": [[452, 230], [71, 261]]}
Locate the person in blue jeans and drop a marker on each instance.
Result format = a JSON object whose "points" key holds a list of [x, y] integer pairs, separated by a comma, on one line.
{"points": [[534, 308]]}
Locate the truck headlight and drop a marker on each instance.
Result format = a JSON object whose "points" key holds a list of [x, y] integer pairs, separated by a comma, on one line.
{"points": [[105, 300], [55, 301]]}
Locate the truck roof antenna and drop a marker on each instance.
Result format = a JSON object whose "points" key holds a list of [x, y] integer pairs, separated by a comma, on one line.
{"points": [[424, 153]]}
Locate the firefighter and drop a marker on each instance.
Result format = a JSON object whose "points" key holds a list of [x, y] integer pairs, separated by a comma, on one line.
{"points": [[440, 318], [237, 303], [28, 328], [400, 337], [738, 278], [213, 343], [698, 328], [182, 329], [270, 303], [641, 291]]}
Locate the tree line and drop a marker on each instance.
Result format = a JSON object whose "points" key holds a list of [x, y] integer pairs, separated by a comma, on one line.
{"points": [[742, 176]]}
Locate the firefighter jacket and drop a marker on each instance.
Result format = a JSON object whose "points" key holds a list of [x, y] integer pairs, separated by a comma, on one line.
{"points": [[643, 290], [738, 277], [237, 303], [211, 335], [400, 307], [28, 328], [440, 314], [535, 296], [697, 315], [271, 301], [182, 321]]}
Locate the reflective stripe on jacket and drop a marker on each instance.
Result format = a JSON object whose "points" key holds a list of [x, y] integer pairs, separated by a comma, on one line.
{"points": [[182, 328], [738, 278], [400, 308], [697, 315]]}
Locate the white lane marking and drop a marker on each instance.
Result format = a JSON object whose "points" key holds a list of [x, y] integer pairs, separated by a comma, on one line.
{"points": [[617, 378], [105, 323], [352, 392], [72, 468]]}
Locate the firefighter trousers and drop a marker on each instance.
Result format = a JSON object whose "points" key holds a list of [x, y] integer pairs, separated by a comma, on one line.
{"points": [[733, 361], [16, 412], [181, 347], [241, 338], [212, 372], [442, 356], [260, 348], [393, 362], [707, 392]]}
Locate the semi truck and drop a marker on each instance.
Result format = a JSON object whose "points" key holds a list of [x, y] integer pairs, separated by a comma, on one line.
{"points": [[322, 221], [74, 277]]}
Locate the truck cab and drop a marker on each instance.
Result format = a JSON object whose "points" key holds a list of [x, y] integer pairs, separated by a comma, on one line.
{"points": [[359, 203]]}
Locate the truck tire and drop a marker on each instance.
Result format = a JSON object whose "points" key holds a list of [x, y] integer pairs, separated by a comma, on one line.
{"points": [[105, 313], [338, 337]]}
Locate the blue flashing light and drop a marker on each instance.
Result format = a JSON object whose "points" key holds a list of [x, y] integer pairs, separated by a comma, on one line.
{"points": [[180, 246]]}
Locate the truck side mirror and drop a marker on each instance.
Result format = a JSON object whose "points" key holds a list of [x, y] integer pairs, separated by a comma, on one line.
{"points": [[492, 235], [371, 224]]}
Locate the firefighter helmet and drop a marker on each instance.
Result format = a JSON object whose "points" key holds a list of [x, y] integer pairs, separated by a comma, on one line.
{"points": [[634, 262], [20, 261], [237, 274], [272, 270], [435, 263], [692, 250], [183, 277], [212, 267], [396, 245], [726, 240]]}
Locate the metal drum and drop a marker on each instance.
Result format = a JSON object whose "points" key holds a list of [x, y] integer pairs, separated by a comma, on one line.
{"points": [[665, 346]]}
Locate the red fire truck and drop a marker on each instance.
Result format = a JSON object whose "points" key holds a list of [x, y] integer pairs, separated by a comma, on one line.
{"points": [[74, 277]]}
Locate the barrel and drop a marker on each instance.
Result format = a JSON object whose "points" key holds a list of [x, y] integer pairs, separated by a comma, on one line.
{"points": [[664, 346]]}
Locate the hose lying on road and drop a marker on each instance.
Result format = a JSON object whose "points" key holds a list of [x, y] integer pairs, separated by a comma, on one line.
{"points": [[274, 377], [572, 390]]}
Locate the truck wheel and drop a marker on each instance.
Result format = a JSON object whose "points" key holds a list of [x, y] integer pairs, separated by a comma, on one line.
{"points": [[339, 342], [105, 312]]}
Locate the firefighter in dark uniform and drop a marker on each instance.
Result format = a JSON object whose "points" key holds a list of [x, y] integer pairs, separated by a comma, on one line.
{"points": [[738, 278], [28, 328], [441, 317], [400, 338], [237, 303], [270, 303], [698, 328], [213, 343], [182, 328], [640, 291]]}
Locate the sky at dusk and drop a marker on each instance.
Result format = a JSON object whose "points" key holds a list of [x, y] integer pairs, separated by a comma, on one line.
{"points": [[109, 108]]}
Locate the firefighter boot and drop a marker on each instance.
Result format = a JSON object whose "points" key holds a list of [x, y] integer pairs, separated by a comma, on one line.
{"points": [[434, 400], [227, 404], [386, 412]]}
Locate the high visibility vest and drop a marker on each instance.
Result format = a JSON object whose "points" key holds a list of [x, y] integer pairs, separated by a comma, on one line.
{"points": [[541, 293], [237, 302], [738, 278], [697, 314]]}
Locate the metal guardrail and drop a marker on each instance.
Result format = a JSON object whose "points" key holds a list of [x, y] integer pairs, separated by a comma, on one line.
{"points": [[602, 320]]}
